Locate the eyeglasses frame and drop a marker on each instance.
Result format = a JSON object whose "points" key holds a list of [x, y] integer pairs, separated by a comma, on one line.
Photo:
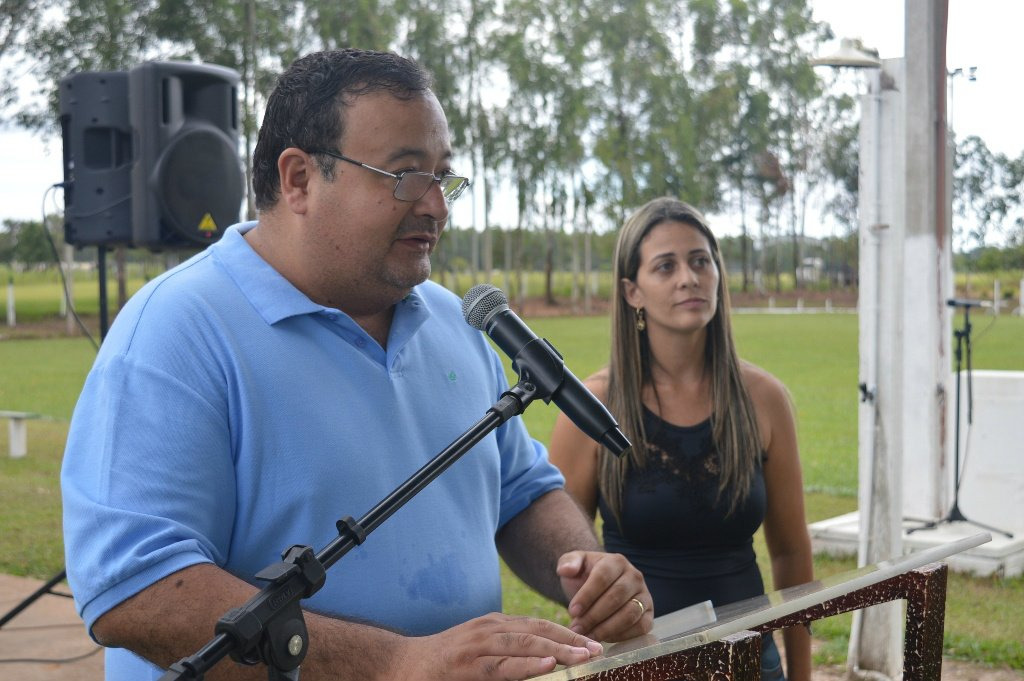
{"points": [[449, 198]]}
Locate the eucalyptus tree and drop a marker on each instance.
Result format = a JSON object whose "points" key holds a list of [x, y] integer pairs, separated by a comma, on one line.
{"points": [[329, 24], [785, 35], [18, 22], [645, 139], [445, 36], [761, 49], [532, 139], [988, 190], [546, 117], [477, 117], [839, 159]]}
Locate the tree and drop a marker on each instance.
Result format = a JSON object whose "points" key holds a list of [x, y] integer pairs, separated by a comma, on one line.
{"points": [[760, 50], [987, 189], [18, 21], [26, 243]]}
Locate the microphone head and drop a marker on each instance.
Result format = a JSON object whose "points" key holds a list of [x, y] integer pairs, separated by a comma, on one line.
{"points": [[963, 302], [481, 303]]}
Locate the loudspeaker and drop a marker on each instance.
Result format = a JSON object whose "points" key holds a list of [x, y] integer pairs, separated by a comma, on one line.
{"points": [[97, 157], [187, 181]]}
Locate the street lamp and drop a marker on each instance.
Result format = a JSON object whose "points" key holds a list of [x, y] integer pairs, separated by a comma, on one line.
{"points": [[850, 54], [872, 636], [971, 75]]}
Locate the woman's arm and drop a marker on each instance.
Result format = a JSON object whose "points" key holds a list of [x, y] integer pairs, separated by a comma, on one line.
{"points": [[785, 524], [576, 455]]}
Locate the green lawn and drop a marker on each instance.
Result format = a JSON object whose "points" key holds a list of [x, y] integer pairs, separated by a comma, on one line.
{"points": [[815, 355]]}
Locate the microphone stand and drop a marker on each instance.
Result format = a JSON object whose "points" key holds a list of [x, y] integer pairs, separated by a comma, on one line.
{"points": [[269, 628], [963, 339]]}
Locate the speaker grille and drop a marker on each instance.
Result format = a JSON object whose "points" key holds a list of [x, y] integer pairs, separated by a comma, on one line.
{"points": [[200, 184]]}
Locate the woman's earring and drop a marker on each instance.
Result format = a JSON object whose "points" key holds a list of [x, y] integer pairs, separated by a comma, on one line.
{"points": [[641, 324]]}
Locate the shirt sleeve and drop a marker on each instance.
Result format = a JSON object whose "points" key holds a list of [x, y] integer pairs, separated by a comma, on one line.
{"points": [[526, 473], [147, 482]]}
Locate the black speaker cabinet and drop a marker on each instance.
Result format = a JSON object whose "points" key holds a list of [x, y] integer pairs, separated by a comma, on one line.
{"points": [[97, 158], [151, 155], [187, 180]]}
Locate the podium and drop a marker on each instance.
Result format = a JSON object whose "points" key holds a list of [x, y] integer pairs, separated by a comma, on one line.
{"points": [[702, 643]]}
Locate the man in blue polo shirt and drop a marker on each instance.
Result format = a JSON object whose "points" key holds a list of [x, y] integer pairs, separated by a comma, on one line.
{"points": [[298, 371]]}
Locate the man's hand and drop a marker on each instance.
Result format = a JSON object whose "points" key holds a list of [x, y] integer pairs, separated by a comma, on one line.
{"points": [[493, 647], [608, 599]]}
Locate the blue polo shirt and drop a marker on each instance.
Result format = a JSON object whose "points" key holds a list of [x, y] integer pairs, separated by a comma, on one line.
{"points": [[228, 417]]}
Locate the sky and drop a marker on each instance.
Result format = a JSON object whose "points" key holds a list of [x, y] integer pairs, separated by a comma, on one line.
{"points": [[981, 33]]}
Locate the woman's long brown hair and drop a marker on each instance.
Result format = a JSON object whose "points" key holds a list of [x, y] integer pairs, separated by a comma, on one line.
{"points": [[735, 432]]}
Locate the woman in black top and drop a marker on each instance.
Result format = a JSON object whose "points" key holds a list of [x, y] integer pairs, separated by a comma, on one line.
{"points": [[715, 451]]}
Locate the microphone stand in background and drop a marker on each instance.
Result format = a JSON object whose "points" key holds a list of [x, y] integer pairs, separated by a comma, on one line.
{"points": [[269, 628], [963, 346]]}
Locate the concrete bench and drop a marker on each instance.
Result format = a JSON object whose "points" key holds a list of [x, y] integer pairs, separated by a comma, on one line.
{"points": [[18, 431]]}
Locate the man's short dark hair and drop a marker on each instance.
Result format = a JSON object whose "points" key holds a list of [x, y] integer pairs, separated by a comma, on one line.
{"points": [[306, 108]]}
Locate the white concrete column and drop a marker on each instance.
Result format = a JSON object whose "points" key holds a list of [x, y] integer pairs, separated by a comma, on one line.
{"points": [[875, 644]]}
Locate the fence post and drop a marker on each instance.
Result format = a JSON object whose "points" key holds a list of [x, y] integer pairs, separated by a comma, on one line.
{"points": [[12, 318], [997, 298]]}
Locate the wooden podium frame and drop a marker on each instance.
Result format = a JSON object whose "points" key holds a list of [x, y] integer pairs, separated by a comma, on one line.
{"points": [[729, 649]]}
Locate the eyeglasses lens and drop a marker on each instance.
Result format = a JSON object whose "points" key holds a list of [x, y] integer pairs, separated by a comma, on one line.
{"points": [[413, 186]]}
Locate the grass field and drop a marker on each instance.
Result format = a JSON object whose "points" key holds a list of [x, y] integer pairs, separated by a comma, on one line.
{"points": [[815, 355]]}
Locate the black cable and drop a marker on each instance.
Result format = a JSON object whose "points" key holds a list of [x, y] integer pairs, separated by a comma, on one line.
{"points": [[101, 209], [60, 269]]}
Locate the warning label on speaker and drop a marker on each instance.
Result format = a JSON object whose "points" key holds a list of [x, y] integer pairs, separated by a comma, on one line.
{"points": [[207, 224]]}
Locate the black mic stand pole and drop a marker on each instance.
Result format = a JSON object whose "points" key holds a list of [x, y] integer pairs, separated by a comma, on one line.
{"points": [[270, 628], [963, 338]]}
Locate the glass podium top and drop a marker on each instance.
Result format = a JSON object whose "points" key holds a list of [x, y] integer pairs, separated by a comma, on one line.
{"points": [[702, 623]]}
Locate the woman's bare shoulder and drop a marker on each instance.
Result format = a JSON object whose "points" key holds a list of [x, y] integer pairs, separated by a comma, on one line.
{"points": [[597, 383], [762, 384]]}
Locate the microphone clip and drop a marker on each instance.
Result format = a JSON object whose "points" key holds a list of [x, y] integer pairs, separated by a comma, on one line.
{"points": [[539, 363]]}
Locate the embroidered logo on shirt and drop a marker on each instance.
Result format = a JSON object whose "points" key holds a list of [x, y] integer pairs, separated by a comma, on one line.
{"points": [[451, 376]]}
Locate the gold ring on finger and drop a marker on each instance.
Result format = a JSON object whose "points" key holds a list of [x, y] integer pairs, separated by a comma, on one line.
{"points": [[643, 609]]}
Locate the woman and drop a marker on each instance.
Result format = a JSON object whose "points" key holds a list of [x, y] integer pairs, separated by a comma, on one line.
{"points": [[715, 450]]}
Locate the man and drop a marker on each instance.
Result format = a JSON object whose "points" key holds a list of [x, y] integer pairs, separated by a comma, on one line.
{"points": [[296, 372]]}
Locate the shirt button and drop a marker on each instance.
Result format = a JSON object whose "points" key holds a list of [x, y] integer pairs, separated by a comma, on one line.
{"points": [[361, 342]]}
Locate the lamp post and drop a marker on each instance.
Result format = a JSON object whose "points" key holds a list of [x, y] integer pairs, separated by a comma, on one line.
{"points": [[874, 637], [904, 236]]}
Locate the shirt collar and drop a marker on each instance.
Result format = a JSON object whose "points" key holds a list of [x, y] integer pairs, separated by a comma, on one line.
{"points": [[273, 296]]}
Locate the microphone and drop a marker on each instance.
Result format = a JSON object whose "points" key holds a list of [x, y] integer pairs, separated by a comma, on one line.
{"points": [[485, 307], [963, 302]]}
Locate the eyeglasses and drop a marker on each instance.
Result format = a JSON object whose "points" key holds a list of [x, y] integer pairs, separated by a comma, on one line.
{"points": [[412, 185]]}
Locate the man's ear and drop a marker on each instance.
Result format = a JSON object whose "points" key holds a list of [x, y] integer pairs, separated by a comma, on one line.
{"points": [[294, 167]]}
